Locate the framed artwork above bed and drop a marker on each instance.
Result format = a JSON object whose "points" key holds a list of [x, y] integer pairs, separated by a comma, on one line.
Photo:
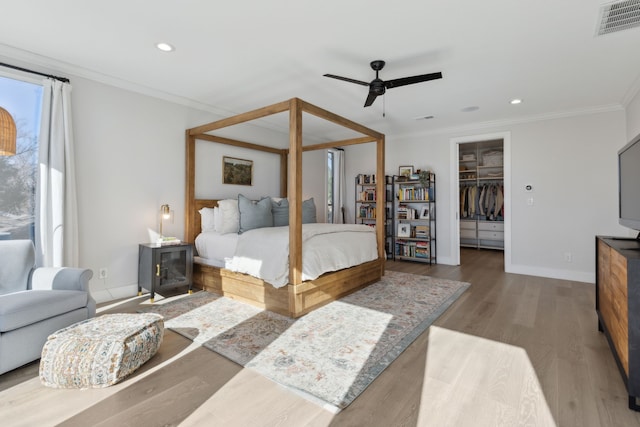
{"points": [[237, 171]]}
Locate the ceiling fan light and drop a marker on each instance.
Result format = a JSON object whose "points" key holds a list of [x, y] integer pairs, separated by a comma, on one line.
{"points": [[470, 109], [165, 47]]}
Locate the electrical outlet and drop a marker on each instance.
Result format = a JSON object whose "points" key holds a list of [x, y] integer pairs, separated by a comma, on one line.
{"points": [[102, 274], [568, 257]]}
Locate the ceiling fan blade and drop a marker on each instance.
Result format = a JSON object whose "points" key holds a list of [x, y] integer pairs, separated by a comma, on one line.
{"points": [[411, 80], [346, 79], [372, 97]]}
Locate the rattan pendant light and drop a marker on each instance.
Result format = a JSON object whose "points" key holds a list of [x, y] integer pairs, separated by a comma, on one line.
{"points": [[7, 134]]}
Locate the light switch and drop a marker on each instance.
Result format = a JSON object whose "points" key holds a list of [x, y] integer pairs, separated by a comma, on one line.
{"points": [[530, 201]]}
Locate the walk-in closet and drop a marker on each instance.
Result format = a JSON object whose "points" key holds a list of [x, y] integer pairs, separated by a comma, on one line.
{"points": [[481, 185]]}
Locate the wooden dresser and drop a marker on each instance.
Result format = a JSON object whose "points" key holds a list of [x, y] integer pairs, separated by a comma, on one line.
{"points": [[618, 306]]}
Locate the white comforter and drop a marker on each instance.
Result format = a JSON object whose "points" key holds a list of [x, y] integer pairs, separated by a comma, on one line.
{"points": [[264, 252]]}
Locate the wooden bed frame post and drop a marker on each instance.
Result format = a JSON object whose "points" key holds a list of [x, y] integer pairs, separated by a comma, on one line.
{"points": [[190, 190], [284, 176], [295, 200], [380, 207]]}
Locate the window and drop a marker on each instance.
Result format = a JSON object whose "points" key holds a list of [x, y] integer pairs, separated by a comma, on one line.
{"points": [[335, 185], [23, 100]]}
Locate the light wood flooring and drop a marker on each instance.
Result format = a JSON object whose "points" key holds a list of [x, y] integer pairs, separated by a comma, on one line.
{"points": [[513, 350]]}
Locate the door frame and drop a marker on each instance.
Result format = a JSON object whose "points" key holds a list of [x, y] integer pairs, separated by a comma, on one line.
{"points": [[455, 193]]}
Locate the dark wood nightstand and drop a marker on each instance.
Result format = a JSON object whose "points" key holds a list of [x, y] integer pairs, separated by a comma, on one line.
{"points": [[164, 266]]}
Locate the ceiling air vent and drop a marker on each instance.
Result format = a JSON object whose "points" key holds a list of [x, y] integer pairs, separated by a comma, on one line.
{"points": [[618, 16]]}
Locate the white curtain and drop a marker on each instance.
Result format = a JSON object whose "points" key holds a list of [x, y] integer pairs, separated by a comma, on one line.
{"points": [[339, 186], [56, 204]]}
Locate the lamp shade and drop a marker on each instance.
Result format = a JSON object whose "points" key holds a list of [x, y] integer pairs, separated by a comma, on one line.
{"points": [[7, 134], [166, 211]]}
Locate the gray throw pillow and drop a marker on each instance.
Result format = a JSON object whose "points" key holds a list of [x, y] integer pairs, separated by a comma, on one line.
{"points": [[309, 211], [254, 214], [280, 210]]}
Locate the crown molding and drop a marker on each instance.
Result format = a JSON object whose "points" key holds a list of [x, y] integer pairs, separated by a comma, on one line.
{"points": [[632, 92], [44, 64], [49, 65], [53, 66], [472, 127]]}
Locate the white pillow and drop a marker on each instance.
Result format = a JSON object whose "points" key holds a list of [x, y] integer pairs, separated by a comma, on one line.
{"points": [[217, 219], [230, 216], [208, 219]]}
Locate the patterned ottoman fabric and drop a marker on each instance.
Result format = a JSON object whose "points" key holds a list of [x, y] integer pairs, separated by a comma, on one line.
{"points": [[101, 351]]}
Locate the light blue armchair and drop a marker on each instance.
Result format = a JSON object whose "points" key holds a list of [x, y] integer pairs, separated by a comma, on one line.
{"points": [[35, 302]]}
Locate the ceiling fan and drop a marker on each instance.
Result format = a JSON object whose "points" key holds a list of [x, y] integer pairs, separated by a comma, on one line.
{"points": [[378, 86]]}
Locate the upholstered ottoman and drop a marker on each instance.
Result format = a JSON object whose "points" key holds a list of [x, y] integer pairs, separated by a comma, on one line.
{"points": [[101, 351]]}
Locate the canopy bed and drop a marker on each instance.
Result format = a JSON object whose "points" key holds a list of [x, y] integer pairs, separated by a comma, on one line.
{"points": [[298, 296]]}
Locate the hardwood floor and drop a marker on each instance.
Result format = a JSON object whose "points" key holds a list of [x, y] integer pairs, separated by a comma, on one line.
{"points": [[513, 350]]}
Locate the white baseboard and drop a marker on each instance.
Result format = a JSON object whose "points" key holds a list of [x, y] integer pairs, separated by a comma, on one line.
{"points": [[552, 273], [110, 294]]}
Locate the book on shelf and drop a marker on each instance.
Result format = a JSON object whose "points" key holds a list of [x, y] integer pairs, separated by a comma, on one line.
{"points": [[413, 193], [422, 231], [412, 249], [366, 179], [405, 212], [421, 252], [367, 212], [368, 195]]}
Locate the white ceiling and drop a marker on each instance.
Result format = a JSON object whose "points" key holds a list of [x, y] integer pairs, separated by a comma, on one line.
{"points": [[235, 56]]}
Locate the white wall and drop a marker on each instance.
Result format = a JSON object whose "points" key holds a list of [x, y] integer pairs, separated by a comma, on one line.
{"points": [[130, 160], [571, 163], [633, 117], [209, 172]]}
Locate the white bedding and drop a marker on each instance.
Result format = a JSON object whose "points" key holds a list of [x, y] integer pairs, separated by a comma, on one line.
{"points": [[214, 248], [263, 252]]}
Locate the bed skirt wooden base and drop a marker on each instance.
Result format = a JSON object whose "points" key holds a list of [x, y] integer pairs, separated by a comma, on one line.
{"points": [[291, 300]]}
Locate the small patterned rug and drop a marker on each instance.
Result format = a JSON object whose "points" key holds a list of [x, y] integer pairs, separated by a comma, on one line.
{"points": [[329, 355]]}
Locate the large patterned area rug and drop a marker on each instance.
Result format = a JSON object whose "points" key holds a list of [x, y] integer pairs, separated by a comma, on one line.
{"points": [[329, 355]]}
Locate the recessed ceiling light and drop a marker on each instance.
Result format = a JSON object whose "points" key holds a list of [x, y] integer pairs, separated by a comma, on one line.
{"points": [[470, 109], [165, 47], [516, 101]]}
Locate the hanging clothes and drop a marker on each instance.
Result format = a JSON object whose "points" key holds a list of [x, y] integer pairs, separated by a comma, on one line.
{"points": [[499, 201], [463, 201], [481, 200], [473, 192]]}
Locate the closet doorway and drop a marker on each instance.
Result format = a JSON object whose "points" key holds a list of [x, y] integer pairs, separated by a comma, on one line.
{"points": [[481, 194]]}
